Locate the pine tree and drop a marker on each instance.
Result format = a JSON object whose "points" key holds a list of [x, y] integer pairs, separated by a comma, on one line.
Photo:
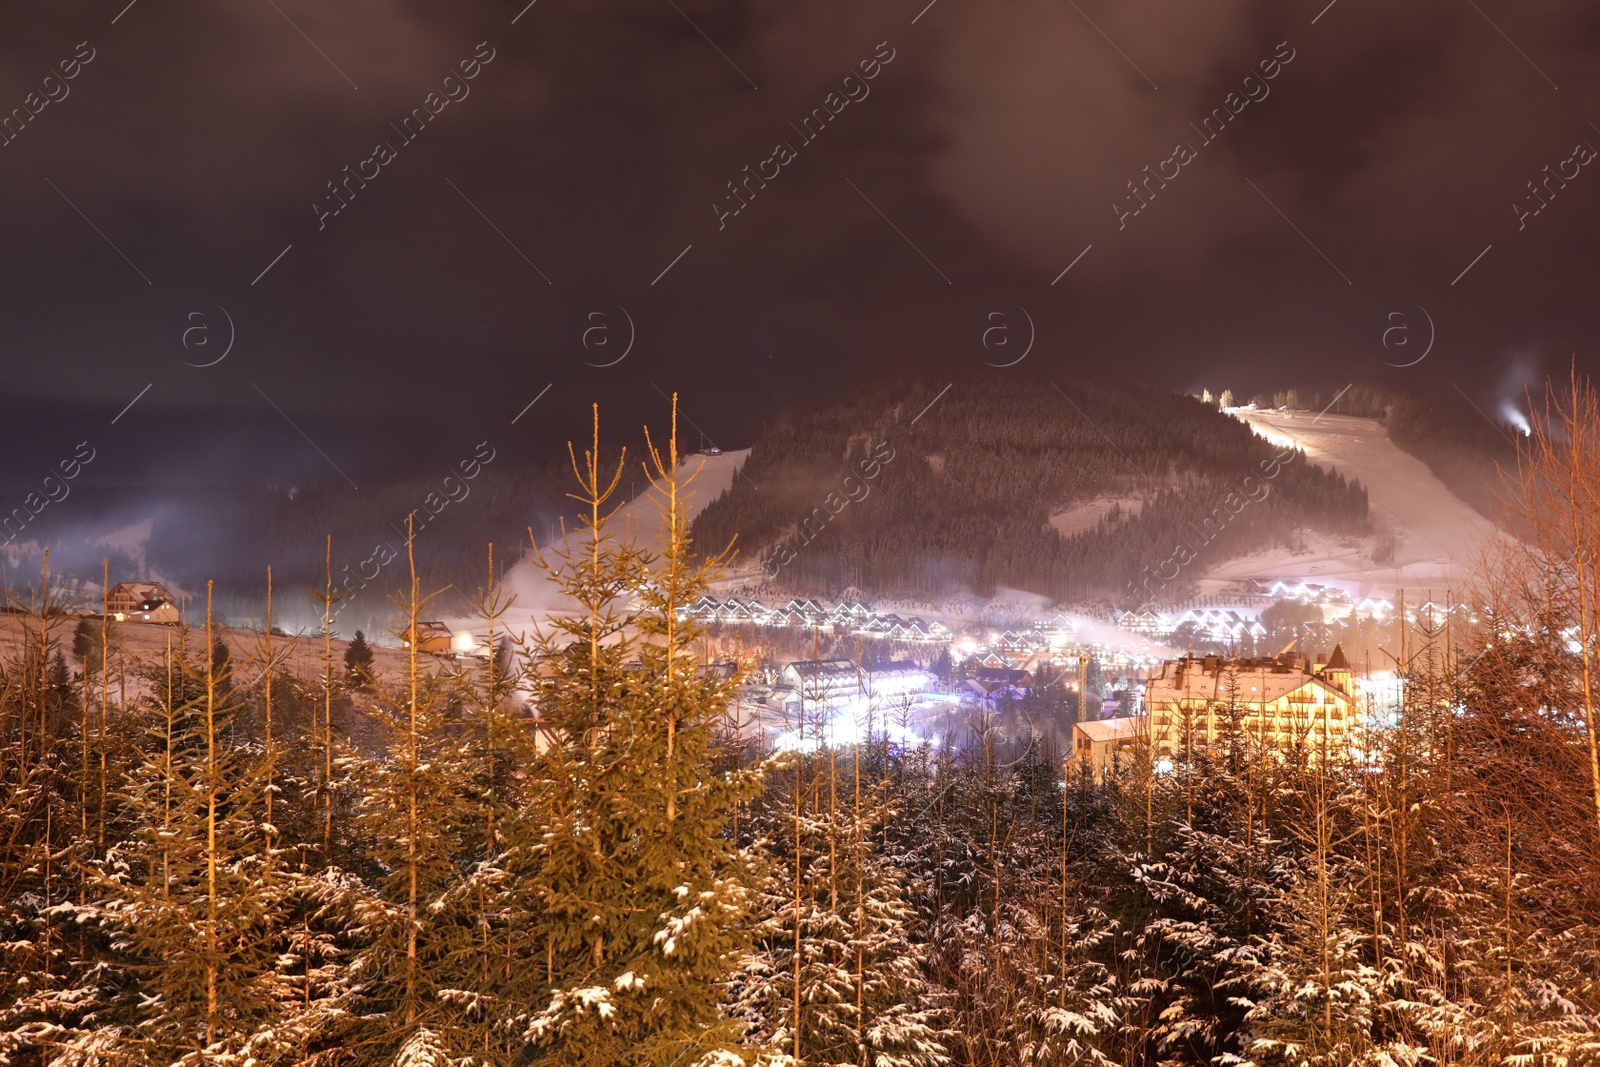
{"points": [[492, 959], [185, 896], [1323, 992], [643, 893], [1213, 901], [417, 824], [834, 978], [42, 844], [86, 643], [358, 659]]}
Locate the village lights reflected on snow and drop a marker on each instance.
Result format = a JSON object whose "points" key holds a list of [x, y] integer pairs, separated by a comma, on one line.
{"points": [[865, 721]]}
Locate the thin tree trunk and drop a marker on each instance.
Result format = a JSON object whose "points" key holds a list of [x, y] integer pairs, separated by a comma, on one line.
{"points": [[105, 688], [269, 741], [211, 827], [413, 823]]}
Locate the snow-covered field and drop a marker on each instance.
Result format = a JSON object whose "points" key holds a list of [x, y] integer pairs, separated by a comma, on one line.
{"points": [[1087, 515], [1438, 538]]}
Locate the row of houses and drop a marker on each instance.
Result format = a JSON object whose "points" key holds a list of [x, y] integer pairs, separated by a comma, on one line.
{"points": [[1026, 642], [805, 613], [1314, 593], [1059, 623], [1219, 624]]}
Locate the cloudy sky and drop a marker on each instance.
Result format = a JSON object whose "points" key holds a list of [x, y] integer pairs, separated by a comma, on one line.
{"points": [[561, 229]]}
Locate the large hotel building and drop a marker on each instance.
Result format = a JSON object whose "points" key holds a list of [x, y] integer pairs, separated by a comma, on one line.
{"points": [[1280, 702]]}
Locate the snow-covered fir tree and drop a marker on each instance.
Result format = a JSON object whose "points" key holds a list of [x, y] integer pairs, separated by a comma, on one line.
{"points": [[834, 978], [643, 894]]}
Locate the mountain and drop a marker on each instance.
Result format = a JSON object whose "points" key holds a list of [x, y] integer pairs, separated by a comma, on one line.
{"points": [[1078, 490]]}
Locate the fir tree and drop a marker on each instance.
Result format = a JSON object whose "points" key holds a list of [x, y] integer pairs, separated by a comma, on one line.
{"points": [[643, 894], [358, 661], [41, 840], [417, 825], [834, 978], [185, 896]]}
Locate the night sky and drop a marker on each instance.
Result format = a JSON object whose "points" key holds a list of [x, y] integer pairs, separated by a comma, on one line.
{"points": [[562, 188]]}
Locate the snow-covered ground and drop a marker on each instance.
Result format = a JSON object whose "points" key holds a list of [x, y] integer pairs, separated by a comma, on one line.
{"points": [[1087, 515], [1438, 538]]}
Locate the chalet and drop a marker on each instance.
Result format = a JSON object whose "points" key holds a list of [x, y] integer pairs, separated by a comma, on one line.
{"points": [[783, 698], [434, 637], [1143, 621], [997, 683], [843, 620], [141, 602], [1431, 612], [812, 614], [1010, 641]]}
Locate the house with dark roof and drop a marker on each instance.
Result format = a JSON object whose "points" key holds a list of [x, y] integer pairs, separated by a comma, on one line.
{"points": [[992, 684], [141, 602]]}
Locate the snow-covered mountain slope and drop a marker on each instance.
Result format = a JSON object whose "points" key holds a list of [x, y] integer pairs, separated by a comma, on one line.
{"points": [[1426, 539]]}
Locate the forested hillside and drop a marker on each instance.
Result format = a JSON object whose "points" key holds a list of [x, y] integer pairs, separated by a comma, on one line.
{"points": [[878, 494]]}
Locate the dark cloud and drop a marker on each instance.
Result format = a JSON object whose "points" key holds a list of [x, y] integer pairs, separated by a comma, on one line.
{"points": [[598, 144]]}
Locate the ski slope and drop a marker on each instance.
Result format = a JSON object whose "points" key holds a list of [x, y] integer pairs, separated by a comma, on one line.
{"points": [[1438, 538]]}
